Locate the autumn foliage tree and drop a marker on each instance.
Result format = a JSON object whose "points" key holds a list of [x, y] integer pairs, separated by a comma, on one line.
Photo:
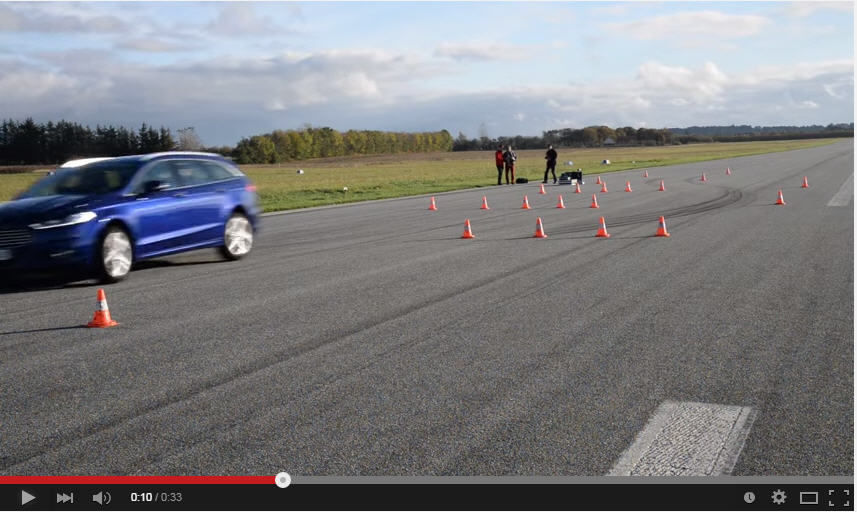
{"points": [[309, 142]]}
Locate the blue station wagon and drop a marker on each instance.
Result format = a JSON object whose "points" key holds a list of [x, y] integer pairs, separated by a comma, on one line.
{"points": [[103, 214]]}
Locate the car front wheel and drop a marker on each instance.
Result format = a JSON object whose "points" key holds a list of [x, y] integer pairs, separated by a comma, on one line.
{"points": [[116, 255], [237, 237]]}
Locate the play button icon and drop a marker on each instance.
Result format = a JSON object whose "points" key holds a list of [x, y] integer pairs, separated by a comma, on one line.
{"points": [[26, 497]]}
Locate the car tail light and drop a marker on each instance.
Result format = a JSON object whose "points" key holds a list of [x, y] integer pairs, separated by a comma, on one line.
{"points": [[250, 188]]}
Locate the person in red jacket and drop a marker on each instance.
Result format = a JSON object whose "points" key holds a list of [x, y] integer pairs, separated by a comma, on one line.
{"points": [[498, 160]]}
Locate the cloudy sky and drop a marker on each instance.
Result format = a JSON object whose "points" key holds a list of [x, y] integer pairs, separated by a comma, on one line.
{"points": [[484, 68]]}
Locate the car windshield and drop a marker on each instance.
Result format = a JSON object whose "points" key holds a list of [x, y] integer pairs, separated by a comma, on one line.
{"points": [[96, 178]]}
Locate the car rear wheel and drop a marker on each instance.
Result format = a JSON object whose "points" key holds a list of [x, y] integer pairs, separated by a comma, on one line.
{"points": [[116, 255], [237, 237]]}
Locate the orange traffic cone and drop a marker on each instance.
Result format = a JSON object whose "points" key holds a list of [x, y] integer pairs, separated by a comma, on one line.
{"points": [[432, 206], [703, 178], [540, 231], [602, 231], [594, 202], [805, 183], [780, 197], [728, 172], [662, 187], [603, 187], [560, 204], [468, 233], [484, 204], [646, 174], [628, 186], [542, 188], [102, 312], [526, 205], [577, 188], [598, 180], [662, 227]]}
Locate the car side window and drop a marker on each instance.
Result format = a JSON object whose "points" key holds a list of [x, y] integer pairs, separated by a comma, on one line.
{"points": [[161, 171], [191, 172], [218, 172]]}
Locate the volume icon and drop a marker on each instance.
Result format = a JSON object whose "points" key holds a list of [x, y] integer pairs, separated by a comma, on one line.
{"points": [[102, 498]]}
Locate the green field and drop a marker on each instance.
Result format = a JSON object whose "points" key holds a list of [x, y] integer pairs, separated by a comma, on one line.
{"points": [[377, 177]]}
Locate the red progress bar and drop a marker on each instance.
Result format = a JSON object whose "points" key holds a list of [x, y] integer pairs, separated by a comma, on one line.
{"points": [[137, 480]]}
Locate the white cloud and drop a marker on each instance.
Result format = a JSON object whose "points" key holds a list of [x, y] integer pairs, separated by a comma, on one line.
{"points": [[805, 9], [275, 105], [695, 23], [641, 103], [153, 45], [677, 96], [373, 89], [44, 18], [612, 9], [703, 84], [840, 88], [482, 51], [33, 85], [241, 20], [799, 71]]}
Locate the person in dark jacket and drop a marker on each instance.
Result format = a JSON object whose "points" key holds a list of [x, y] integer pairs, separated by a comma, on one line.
{"points": [[509, 158], [550, 156], [498, 160]]}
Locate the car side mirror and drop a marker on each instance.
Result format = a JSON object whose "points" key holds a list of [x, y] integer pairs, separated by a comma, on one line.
{"points": [[154, 186]]}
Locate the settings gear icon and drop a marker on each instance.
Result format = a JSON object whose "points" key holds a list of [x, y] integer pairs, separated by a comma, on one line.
{"points": [[779, 497]]}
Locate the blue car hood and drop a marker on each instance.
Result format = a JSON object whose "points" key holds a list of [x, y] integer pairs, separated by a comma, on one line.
{"points": [[37, 209]]}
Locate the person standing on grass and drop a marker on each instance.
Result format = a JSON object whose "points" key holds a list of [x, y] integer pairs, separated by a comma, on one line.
{"points": [[498, 160], [550, 156], [509, 158]]}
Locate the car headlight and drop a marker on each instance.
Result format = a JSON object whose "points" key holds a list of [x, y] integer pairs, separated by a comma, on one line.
{"points": [[75, 218]]}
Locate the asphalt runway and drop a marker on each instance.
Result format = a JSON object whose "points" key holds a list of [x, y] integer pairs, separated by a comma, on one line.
{"points": [[370, 339]]}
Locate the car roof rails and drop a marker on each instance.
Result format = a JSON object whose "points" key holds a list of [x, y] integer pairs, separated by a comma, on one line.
{"points": [[83, 161], [177, 153]]}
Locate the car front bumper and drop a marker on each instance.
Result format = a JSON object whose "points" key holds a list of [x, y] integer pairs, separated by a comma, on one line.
{"points": [[24, 248]]}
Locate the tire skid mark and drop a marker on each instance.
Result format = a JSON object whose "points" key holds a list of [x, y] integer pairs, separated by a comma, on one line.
{"points": [[728, 197], [318, 387], [462, 321], [245, 370]]}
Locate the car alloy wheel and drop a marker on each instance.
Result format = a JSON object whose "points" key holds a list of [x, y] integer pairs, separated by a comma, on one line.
{"points": [[117, 255], [237, 237]]}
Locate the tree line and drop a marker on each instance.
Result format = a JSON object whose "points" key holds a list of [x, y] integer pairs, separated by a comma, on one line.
{"points": [[591, 136], [281, 146], [28, 142], [743, 130], [597, 136]]}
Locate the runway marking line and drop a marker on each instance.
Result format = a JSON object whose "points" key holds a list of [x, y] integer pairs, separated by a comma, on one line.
{"points": [[845, 193], [688, 439]]}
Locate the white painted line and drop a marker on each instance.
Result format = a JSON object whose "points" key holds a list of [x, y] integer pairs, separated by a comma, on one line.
{"points": [[846, 192], [688, 439]]}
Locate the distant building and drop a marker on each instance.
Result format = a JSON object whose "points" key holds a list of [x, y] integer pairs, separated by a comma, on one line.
{"points": [[609, 141]]}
